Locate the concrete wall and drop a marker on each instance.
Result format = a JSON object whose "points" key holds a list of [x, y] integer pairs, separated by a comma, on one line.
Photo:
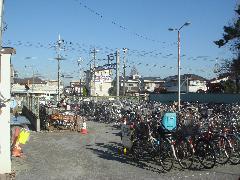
{"points": [[194, 97], [5, 152]]}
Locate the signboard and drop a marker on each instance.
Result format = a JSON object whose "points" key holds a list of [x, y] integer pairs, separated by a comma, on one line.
{"points": [[106, 67], [126, 136], [169, 121], [103, 78]]}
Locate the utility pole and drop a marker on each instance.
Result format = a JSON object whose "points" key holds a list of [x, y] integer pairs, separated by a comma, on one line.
{"points": [[32, 80], [94, 70], [59, 43], [80, 73], [124, 70], [117, 71]]}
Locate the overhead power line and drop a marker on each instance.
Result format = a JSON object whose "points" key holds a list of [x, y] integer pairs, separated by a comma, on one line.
{"points": [[117, 24]]}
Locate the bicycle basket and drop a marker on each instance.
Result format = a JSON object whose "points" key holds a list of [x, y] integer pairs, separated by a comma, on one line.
{"points": [[169, 121]]}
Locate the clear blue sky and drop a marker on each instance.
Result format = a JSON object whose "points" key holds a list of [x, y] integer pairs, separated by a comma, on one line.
{"points": [[140, 25]]}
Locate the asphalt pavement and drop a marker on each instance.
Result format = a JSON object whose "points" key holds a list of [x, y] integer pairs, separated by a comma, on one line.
{"points": [[71, 155]]}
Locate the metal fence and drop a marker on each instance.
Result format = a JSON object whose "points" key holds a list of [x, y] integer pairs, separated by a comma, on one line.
{"points": [[104, 98], [196, 97], [31, 110], [32, 103]]}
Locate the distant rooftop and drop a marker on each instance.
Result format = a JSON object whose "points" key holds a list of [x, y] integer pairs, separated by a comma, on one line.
{"points": [[37, 80], [185, 76], [152, 78]]}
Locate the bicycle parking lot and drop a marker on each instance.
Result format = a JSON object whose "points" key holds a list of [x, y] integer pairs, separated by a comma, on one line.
{"points": [[70, 155]]}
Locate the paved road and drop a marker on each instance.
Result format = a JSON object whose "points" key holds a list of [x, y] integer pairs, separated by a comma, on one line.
{"points": [[70, 155]]}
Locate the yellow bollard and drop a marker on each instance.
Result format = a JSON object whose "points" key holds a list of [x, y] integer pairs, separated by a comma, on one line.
{"points": [[23, 136], [125, 151]]}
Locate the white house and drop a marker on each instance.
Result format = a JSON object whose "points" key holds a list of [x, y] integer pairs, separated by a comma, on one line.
{"points": [[149, 84], [5, 83], [189, 83], [132, 84], [136, 84], [102, 82], [195, 85], [38, 88]]}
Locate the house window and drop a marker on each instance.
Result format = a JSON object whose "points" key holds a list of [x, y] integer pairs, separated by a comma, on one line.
{"points": [[100, 87], [130, 84]]}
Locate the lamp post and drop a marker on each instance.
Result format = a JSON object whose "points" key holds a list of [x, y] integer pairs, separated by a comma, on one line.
{"points": [[179, 75]]}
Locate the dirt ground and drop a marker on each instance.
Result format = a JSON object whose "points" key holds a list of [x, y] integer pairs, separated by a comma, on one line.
{"points": [[71, 155]]}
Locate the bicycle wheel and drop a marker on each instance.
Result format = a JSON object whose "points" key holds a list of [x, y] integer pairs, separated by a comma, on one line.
{"points": [[235, 144], [165, 155], [205, 153], [184, 154], [222, 149], [136, 151]]}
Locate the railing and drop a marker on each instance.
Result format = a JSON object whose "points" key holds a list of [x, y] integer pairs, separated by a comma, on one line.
{"points": [[31, 110], [31, 105], [102, 98], [196, 97]]}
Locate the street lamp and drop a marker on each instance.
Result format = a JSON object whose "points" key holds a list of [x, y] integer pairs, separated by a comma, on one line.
{"points": [[179, 77]]}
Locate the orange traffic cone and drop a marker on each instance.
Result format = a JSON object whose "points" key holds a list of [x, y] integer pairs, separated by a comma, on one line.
{"points": [[17, 150], [15, 136], [84, 128]]}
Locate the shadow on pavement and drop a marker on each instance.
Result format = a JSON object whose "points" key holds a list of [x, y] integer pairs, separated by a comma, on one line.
{"points": [[112, 151]]}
